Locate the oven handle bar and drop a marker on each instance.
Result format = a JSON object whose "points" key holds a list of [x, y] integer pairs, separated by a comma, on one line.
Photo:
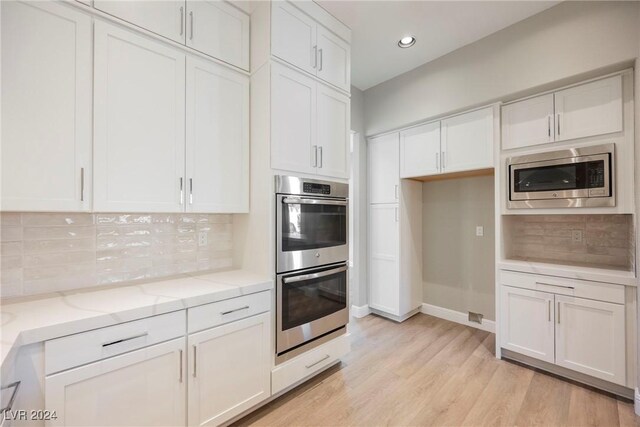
{"points": [[305, 277], [303, 201]]}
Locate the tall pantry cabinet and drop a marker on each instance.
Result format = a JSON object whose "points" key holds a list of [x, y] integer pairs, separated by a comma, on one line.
{"points": [[395, 233]]}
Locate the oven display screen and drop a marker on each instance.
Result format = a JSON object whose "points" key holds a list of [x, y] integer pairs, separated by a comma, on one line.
{"points": [[566, 176]]}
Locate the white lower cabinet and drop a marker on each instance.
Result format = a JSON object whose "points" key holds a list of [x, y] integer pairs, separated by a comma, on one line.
{"points": [[384, 258], [229, 369], [145, 387]]}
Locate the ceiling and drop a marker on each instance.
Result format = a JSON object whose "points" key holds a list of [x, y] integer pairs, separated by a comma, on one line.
{"points": [[440, 27]]}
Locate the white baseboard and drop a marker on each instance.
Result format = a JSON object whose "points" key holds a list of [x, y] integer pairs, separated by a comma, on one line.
{"points": [[360, 311], [458, 317], [636, 402]]}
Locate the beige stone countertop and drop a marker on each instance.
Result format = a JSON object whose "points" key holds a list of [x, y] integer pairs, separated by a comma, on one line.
{"points": [[620, 277], [32, 320]]}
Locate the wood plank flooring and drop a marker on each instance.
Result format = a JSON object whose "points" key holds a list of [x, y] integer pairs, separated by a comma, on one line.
{"points": [[431, 372]]}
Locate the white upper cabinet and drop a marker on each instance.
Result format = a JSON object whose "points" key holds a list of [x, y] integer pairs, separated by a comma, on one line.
{"points": [[139, 123], [217, 144], [420, 151], [591, 109], [384, 173], [219, 29], [299, 40], [293, 120], [467, 141], [293, 36], [334, 65], [527, 322], [166, 18], [333, 132], [384, 258], [528, 122], [46, 107], [590, 337]]}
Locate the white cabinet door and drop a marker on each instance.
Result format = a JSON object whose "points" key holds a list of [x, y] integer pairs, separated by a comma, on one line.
{"points": [[590, 338], [420, 151], [293, 36], [334, 59], [526, 322], [217, 138], [139, 125], [333, 127], [293, 120], [145, 387], [46, 107], [219, 29], [591, 109], [384, 258], [529, 122], [165, 18], [467, 141], [229, 369], [384, 169]]}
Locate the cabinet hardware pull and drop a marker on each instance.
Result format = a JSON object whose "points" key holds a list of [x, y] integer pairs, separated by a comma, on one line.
{"points": [[549, 126], [320, 51], [437, 161], [320, 161], [191, 18], [82, 184], [555, 286], [190, 191], [195, 359], [558, 118], [181, 191], [181, 20], [558, 314], [549, 310], [315, 156], [315, 56], [107, 344], [395, 191], [224, 313], [442, 165], [326, 356], [396, 214], [180, 359]]}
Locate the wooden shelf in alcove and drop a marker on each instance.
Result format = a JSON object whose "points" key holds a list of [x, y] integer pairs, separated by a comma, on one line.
{"points": [[454, 175]]}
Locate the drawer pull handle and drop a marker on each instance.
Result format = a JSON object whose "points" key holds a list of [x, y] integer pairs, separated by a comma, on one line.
{"points": [[195, 360], [224, 313], [180, 361], [555, 286], [326, 356], [107, 344]]}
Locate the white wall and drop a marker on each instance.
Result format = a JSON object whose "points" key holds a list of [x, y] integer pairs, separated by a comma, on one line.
{"points": [[565, 41]]}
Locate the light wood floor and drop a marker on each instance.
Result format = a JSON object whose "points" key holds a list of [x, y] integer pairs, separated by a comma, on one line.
{"points": [[428, 371]]}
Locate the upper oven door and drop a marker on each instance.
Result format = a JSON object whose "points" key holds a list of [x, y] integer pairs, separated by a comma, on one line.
{"points": [[568, 178], [310, 231]]}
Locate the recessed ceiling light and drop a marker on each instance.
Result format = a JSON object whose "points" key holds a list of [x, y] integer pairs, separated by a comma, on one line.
{"points": [[407, 41]]}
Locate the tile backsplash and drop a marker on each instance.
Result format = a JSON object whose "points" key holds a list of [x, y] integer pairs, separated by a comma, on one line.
{"points": [[607, 241], [49, 252]]}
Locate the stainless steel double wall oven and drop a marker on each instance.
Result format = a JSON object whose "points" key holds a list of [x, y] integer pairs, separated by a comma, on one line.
{"points": [[312, 251]]}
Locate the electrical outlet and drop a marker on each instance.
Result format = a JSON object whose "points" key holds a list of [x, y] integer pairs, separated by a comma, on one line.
{"points": [[202, 238], [479, 231], [576, 236]]}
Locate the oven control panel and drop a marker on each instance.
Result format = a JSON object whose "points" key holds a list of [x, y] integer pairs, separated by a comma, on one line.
{"points": [[314, 188]]}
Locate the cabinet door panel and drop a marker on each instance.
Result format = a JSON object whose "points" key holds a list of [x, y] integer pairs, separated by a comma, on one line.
{"points": [[232, 370], [467, 141], [334, 57], [420, 151], [526, 322], [528, 122], [142, 388], [217, 138], [139, 123], [165, 18], [333, 132], [384, 254], [590, 109], [384, 168], [590, 338], [293, 120], [219, 29], [46, 107], [293, 36]]}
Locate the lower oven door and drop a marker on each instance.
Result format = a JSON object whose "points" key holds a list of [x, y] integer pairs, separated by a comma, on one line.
{"points": [[310, 304]]}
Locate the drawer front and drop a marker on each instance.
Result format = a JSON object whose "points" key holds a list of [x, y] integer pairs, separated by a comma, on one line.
{"points": [[307, 364], [79, 349], [221, 312], [562, 286]]}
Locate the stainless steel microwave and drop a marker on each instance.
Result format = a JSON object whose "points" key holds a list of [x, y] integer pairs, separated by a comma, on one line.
{"points": [[570, 178]]}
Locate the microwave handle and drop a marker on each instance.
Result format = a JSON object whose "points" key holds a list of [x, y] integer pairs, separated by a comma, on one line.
{"points": [[302, 201], [305, 277]]}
